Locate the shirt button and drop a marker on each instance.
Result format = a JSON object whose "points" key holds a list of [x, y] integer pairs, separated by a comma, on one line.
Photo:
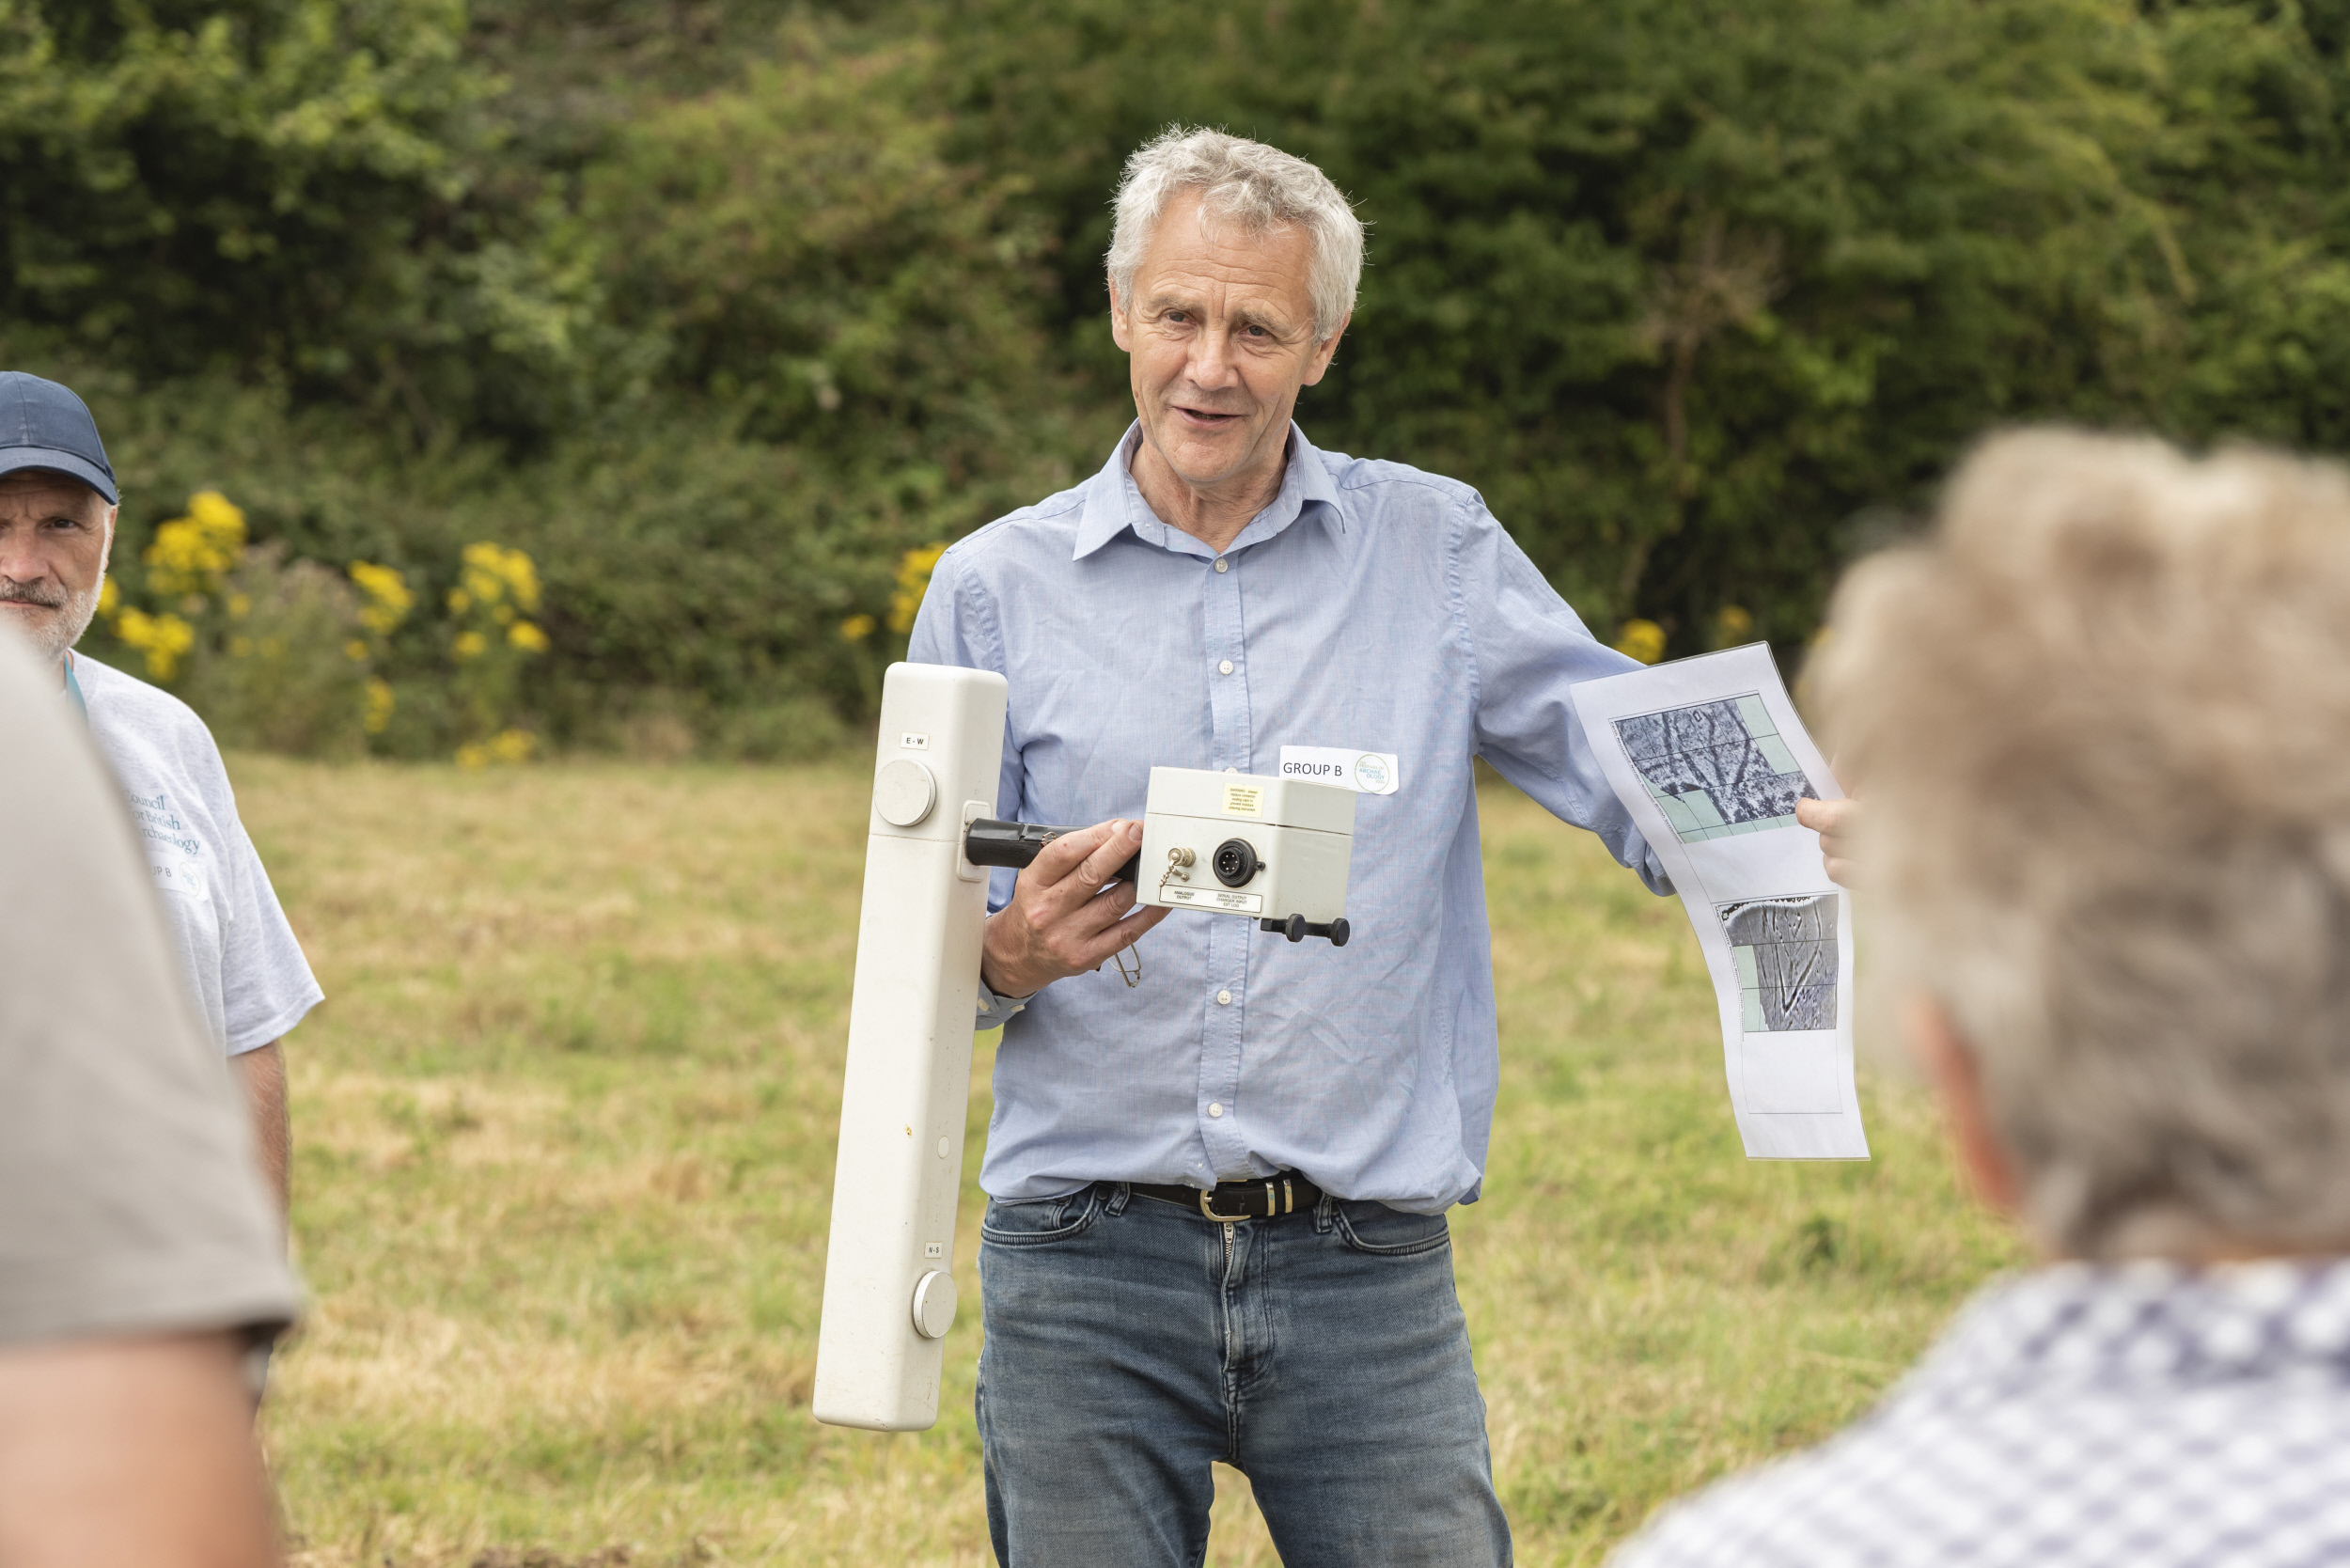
{"points": [[1223, 565], [1225, 669], [1223, 998], [1216, 1108]]}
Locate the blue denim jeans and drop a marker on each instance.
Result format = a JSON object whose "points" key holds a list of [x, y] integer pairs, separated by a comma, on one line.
{"points": [[1132, 1343]]}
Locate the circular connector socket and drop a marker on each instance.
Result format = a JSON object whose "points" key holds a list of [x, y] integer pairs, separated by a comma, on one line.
{"points": [[1235, 862]]}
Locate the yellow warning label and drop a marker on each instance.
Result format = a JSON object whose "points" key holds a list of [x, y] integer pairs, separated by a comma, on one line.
{"points": [[1244, 800]]}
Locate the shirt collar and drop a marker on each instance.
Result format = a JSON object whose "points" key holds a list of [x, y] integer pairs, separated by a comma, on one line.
{"points": [[1114, 502]]}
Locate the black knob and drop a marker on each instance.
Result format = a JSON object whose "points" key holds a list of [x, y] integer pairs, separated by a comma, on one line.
{"points": [[1235, 862]]}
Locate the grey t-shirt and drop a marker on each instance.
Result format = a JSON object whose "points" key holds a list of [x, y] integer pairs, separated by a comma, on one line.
{"points": [[246, 971], [129, 1199]]}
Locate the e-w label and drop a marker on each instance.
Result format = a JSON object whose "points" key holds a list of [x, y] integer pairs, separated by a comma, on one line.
{"points": [[1366, 772]]}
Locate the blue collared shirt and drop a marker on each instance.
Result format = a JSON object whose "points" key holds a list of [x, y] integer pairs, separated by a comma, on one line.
{"points": [[1371, 606]]}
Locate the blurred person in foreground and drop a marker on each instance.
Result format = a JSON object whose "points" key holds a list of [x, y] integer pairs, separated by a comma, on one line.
{"points": [[138, 1256], [250, 982], [2102, 715]]}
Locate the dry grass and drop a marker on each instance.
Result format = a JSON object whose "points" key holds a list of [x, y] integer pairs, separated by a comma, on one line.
{"points": [[565, 1138]]}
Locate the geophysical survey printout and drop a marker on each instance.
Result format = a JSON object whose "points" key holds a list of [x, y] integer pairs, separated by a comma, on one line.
{"points": [[1708, 756]]}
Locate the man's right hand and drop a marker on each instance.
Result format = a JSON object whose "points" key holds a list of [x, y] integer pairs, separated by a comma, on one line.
{"points": [[1061, 920]]}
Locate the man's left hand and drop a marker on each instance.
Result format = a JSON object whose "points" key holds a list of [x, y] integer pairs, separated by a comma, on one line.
{"points": [[1834, 821]]}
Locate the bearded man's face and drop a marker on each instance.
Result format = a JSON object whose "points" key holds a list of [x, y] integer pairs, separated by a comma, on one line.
{"points": [[55, 534]]}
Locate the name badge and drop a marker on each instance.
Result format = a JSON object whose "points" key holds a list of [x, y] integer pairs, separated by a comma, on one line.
{"points": [[184, 877], [1366, 772]]}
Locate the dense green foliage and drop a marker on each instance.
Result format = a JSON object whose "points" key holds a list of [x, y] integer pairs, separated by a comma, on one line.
{"points": [[717, 309]]}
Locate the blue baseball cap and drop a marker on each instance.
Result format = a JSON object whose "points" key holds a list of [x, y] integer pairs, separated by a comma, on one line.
{"points": [[43, 425]]}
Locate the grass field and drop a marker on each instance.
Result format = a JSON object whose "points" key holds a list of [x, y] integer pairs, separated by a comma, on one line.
{"points": [[564, 1141]]}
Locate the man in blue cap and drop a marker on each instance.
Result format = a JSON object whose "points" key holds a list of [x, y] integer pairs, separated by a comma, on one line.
{"points": [[245, 970]]}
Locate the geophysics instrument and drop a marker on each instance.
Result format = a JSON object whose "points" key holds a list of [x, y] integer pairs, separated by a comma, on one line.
{"points": [[1273, 850]]}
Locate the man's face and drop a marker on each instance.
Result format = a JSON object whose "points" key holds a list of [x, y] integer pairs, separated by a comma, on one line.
{"points": [[1219, 337], [55, 533]]}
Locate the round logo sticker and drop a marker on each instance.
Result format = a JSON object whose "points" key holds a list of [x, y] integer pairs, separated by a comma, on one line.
{"points": [[1370, 774]]}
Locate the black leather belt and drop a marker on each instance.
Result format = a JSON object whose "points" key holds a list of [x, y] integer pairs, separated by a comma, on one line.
{"points": [[1267, 1198]]}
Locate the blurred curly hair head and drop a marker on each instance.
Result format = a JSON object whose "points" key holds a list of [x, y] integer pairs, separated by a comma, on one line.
{"points": [[2101, 715]]}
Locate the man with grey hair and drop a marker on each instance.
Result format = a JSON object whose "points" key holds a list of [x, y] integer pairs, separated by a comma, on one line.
{"points": [[1218, 1219], [243, 968], [2102, 716]]}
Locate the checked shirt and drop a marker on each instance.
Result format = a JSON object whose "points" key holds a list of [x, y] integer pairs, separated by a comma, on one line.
{"points": [[2078, 1417]]}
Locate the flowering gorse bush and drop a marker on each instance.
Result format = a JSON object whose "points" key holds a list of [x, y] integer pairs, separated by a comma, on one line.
{"points": [[1642, 640], [909, 583], [491, 639], [259, 644], [914, 580], [287, 655], [190, 558]]}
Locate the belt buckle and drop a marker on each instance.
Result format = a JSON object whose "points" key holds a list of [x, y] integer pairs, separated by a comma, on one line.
{"points": [[1207, 1206]]}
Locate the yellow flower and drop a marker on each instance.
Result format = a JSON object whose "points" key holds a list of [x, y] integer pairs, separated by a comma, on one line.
{"points": [[1642, 640], [511, 747], [914, 579], [470, 644], [490, 571], [380, 703], [458, 601], [856, 628], [164, 638], [522, 577], [192, 554], [239, 606], [109, 598], [480, 584], [526, 636], [355, 650], [1733, 625], [388, 599]]}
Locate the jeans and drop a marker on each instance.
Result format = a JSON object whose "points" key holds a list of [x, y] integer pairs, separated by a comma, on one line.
{"points": [[1132, 1343]]}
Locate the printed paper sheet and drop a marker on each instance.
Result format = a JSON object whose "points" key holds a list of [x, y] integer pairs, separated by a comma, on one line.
{"points": [[1710, 758]]}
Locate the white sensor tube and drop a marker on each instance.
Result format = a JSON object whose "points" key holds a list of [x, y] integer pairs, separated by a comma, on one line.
{"points": [[890, 1290]]}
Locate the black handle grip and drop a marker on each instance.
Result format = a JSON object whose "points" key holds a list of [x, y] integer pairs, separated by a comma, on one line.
{"points": [[990, 842]]}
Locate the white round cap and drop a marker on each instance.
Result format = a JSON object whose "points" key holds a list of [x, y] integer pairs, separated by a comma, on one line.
{"points": [[904, 792], [934, 1305]]}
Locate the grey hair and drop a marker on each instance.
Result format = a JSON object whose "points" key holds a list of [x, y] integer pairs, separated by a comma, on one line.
{"points": [[2101, 717], [1260, 188]]}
